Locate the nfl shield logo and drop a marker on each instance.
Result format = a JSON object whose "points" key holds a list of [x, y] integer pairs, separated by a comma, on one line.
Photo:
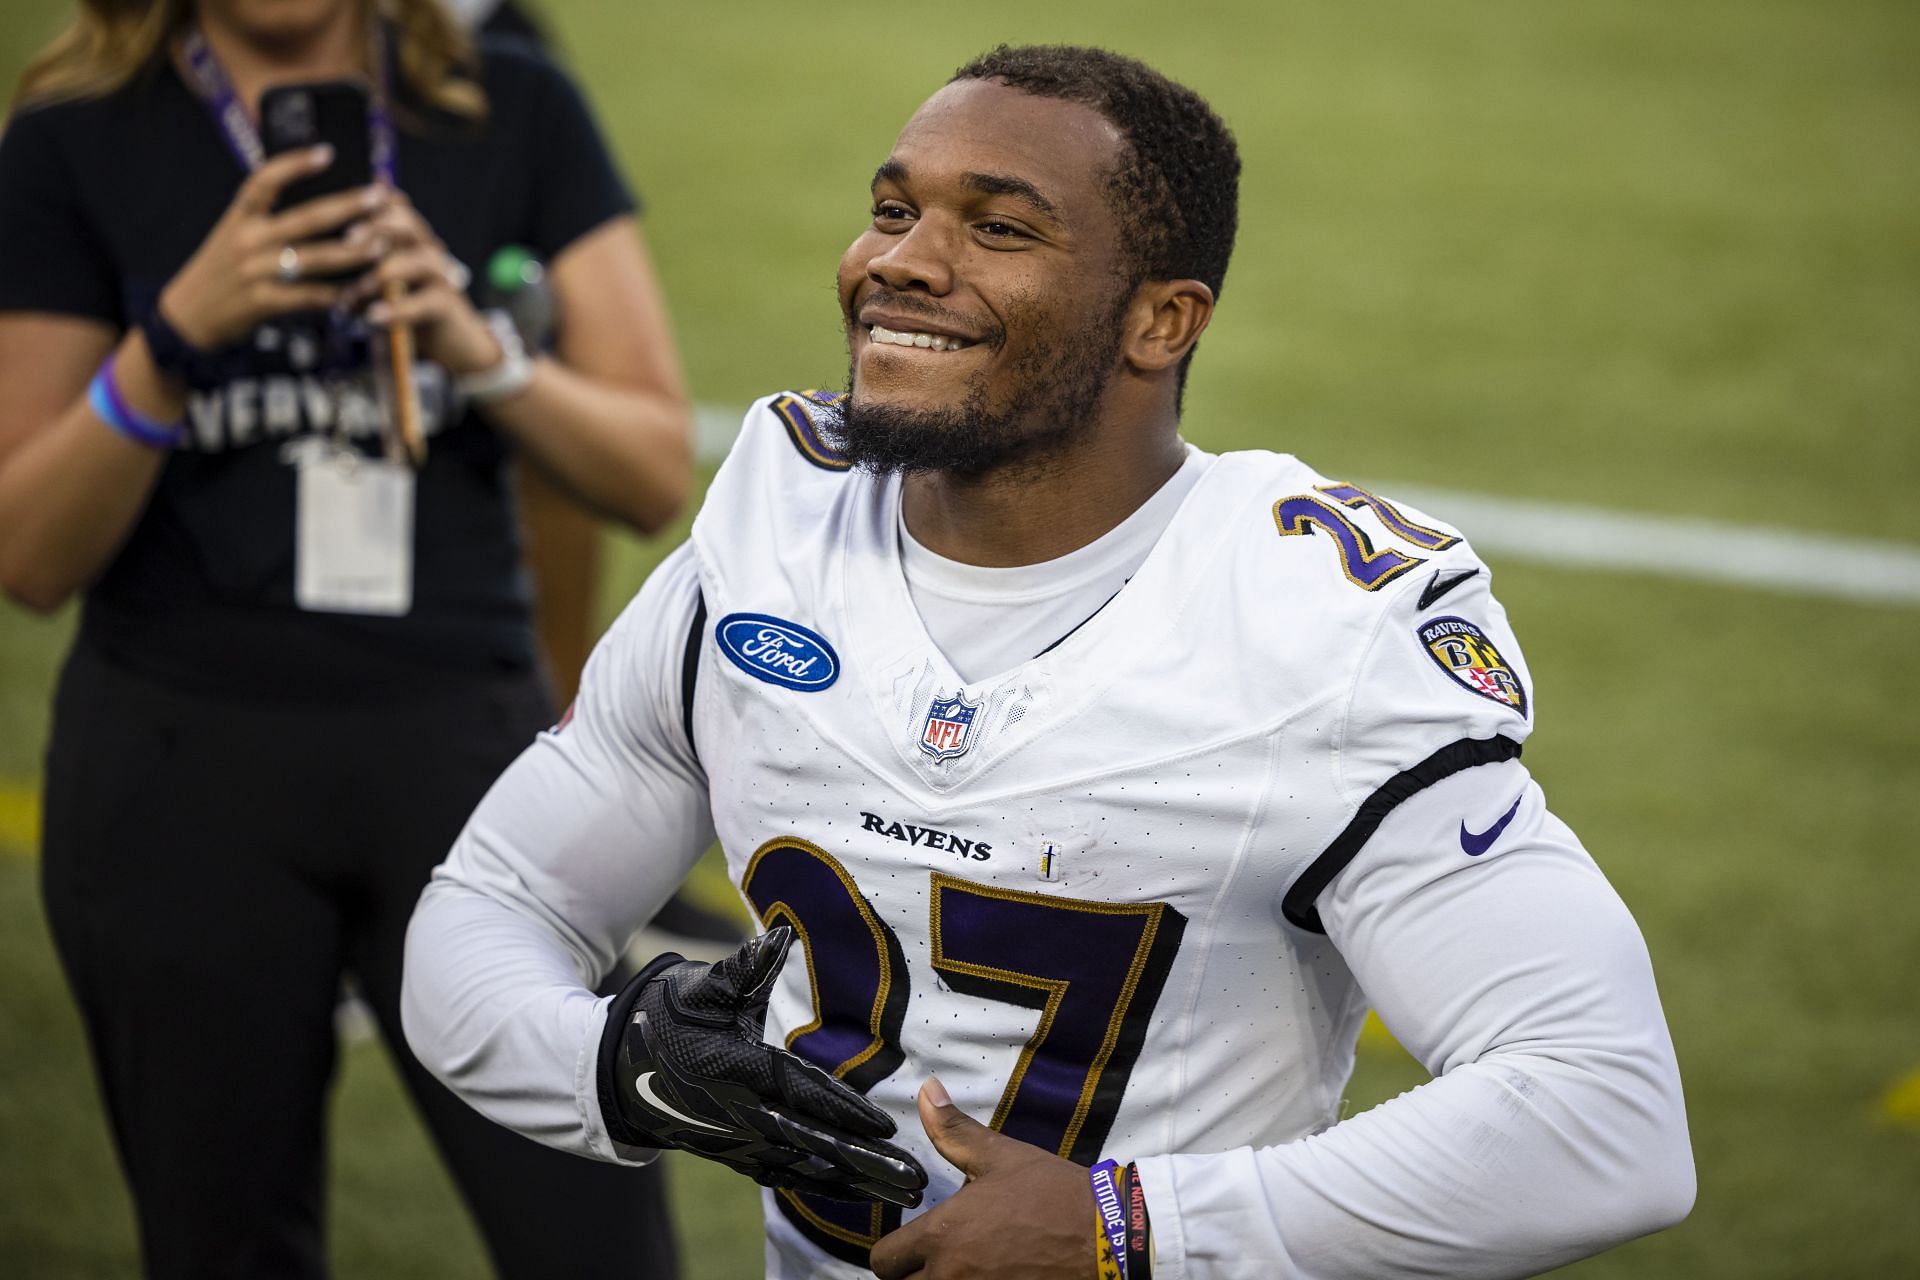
{"points": [[949, 727]]}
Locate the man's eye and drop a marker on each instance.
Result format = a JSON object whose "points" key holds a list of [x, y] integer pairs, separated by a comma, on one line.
{"points": [[1000, 230], [888, 211]]}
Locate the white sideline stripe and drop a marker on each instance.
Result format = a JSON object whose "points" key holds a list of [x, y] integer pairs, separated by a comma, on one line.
{"points": [[1815, 564], [714, 427]]}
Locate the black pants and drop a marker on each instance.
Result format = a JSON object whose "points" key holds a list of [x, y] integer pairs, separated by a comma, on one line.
{"points": [[211, 868]]}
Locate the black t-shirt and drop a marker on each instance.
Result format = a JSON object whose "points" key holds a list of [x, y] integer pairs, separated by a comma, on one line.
{"points": [[102, 201]]}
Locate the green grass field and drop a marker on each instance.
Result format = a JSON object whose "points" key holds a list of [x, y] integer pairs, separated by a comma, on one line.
{"points": [[1653, 257]]}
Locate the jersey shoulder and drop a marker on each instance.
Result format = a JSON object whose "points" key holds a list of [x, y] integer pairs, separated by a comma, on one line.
{"points": [[777, 491], [804, 421], [1339, 538], [789, 434], [1389, 603], [1303, 543]]}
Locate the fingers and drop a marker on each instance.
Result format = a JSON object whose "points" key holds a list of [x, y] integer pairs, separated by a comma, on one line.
{"points": [[316, 258], [966, 1143], [264, 185], [784, 1180], [402, 224], [421, 307], [902, 1254], [808, 1089], [856, 1169], [752, 968], [841, 1191], [276, 298], [414, 309], [324, 215], [407, 268], [412, 289]]}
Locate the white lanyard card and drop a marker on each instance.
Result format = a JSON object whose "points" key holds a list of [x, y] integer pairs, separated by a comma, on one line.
{"points": [[353, 533]]}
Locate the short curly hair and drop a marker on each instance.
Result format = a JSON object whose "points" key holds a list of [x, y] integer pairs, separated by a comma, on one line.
{"points": [[1177, 190]]}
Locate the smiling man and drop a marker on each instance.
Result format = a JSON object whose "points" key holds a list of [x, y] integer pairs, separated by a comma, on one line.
{"points": [[1104, 783]]}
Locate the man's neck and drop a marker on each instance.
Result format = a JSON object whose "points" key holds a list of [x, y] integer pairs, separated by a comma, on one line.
{"points": [[1032, 513], [334, 50]]}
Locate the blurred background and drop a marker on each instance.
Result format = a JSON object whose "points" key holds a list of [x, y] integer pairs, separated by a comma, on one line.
{"points": [[1657, 259]]}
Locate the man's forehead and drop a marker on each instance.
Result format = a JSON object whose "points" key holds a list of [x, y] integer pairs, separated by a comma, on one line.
{"points": [[977, 128]]}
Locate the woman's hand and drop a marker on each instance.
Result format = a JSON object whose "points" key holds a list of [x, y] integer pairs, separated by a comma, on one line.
{"points": [[255, 263], [432, 297]]}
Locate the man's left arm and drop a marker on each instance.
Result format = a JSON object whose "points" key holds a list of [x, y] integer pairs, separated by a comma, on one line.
{"points": [[1554, 1127]]}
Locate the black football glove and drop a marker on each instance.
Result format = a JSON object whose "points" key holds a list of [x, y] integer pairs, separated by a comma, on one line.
{"points": [[683, 1065]]}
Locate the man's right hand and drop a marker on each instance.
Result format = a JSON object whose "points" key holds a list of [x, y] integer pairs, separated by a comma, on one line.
{"points": [[683, 1065]]}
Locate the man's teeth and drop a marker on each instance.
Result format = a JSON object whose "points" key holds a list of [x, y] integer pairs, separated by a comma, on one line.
{"points": [[931, 341]]}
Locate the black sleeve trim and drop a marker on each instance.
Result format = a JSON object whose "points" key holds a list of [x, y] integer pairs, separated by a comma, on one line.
{"points": [[1298, 905], [690, 669]]}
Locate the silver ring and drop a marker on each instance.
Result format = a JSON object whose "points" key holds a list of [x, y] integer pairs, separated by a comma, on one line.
{"points": [[289, 269], [457, 274]]}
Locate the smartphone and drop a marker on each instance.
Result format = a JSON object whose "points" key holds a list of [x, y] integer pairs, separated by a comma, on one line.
{"points": [[293, 116]]}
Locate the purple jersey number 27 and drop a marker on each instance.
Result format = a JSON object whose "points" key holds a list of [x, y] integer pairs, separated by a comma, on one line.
{"points": [[1093, 970]]}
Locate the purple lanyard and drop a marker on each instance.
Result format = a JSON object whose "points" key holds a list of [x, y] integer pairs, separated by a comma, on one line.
{"points": [[224, 105]]}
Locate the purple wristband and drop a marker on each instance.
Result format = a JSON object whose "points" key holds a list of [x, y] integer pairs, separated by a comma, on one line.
{"points": [[103, 395], [1113, 1214]]}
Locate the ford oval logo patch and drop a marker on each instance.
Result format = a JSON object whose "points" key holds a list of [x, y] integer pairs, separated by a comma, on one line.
{"points": [[777, 651]]}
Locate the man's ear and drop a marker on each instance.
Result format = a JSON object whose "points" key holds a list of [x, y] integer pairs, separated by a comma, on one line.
{"points": [[1164, 320]]}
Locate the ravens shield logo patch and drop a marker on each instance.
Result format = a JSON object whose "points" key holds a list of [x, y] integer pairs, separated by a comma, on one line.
{"points": [[1473, 661]]}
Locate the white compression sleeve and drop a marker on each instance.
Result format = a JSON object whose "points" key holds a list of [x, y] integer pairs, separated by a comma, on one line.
{"points": [[1554, 1127], [574, 848]]}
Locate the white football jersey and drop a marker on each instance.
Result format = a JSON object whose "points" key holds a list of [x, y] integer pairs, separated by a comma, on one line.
{"points": [[1081, 892], [1088, 891]]}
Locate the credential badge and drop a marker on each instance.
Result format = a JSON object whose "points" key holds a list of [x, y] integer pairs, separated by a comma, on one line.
{"points": [[949, 728], [1468, 655]]}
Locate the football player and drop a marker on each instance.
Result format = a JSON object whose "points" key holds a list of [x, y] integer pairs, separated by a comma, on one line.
{"points": [[1090, 787]]}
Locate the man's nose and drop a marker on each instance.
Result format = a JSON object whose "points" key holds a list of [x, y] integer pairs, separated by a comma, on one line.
{"points": [[921, 258]]}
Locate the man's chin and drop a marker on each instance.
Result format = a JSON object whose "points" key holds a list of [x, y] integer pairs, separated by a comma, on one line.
{"points": [[899, 387], [898, 403], [933, 403], [901, 430]]}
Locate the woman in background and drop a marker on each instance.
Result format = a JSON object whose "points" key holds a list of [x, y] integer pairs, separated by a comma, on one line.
{"points": [[299, 663]]}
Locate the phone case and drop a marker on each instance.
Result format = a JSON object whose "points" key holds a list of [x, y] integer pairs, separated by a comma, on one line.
{"points": [[303, 115]]}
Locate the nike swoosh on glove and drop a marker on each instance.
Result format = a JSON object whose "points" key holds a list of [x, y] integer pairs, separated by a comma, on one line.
{"points": [[683, 1065]]}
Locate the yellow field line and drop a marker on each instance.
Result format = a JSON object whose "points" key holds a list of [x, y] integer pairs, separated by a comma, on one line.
{"points": [[1375, 1038], [1902, 1103], [19, 819]]}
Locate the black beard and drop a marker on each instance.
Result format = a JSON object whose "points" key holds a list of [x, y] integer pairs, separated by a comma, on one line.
{"points": [[1054, 404]]}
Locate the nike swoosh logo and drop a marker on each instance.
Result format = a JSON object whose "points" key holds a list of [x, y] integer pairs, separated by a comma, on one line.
{"points": [[644, 1087], [1440, 584], [1475, 845]]}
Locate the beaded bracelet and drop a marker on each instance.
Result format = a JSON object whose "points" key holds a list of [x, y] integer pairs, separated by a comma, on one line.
{"points": [[103, 395]]}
